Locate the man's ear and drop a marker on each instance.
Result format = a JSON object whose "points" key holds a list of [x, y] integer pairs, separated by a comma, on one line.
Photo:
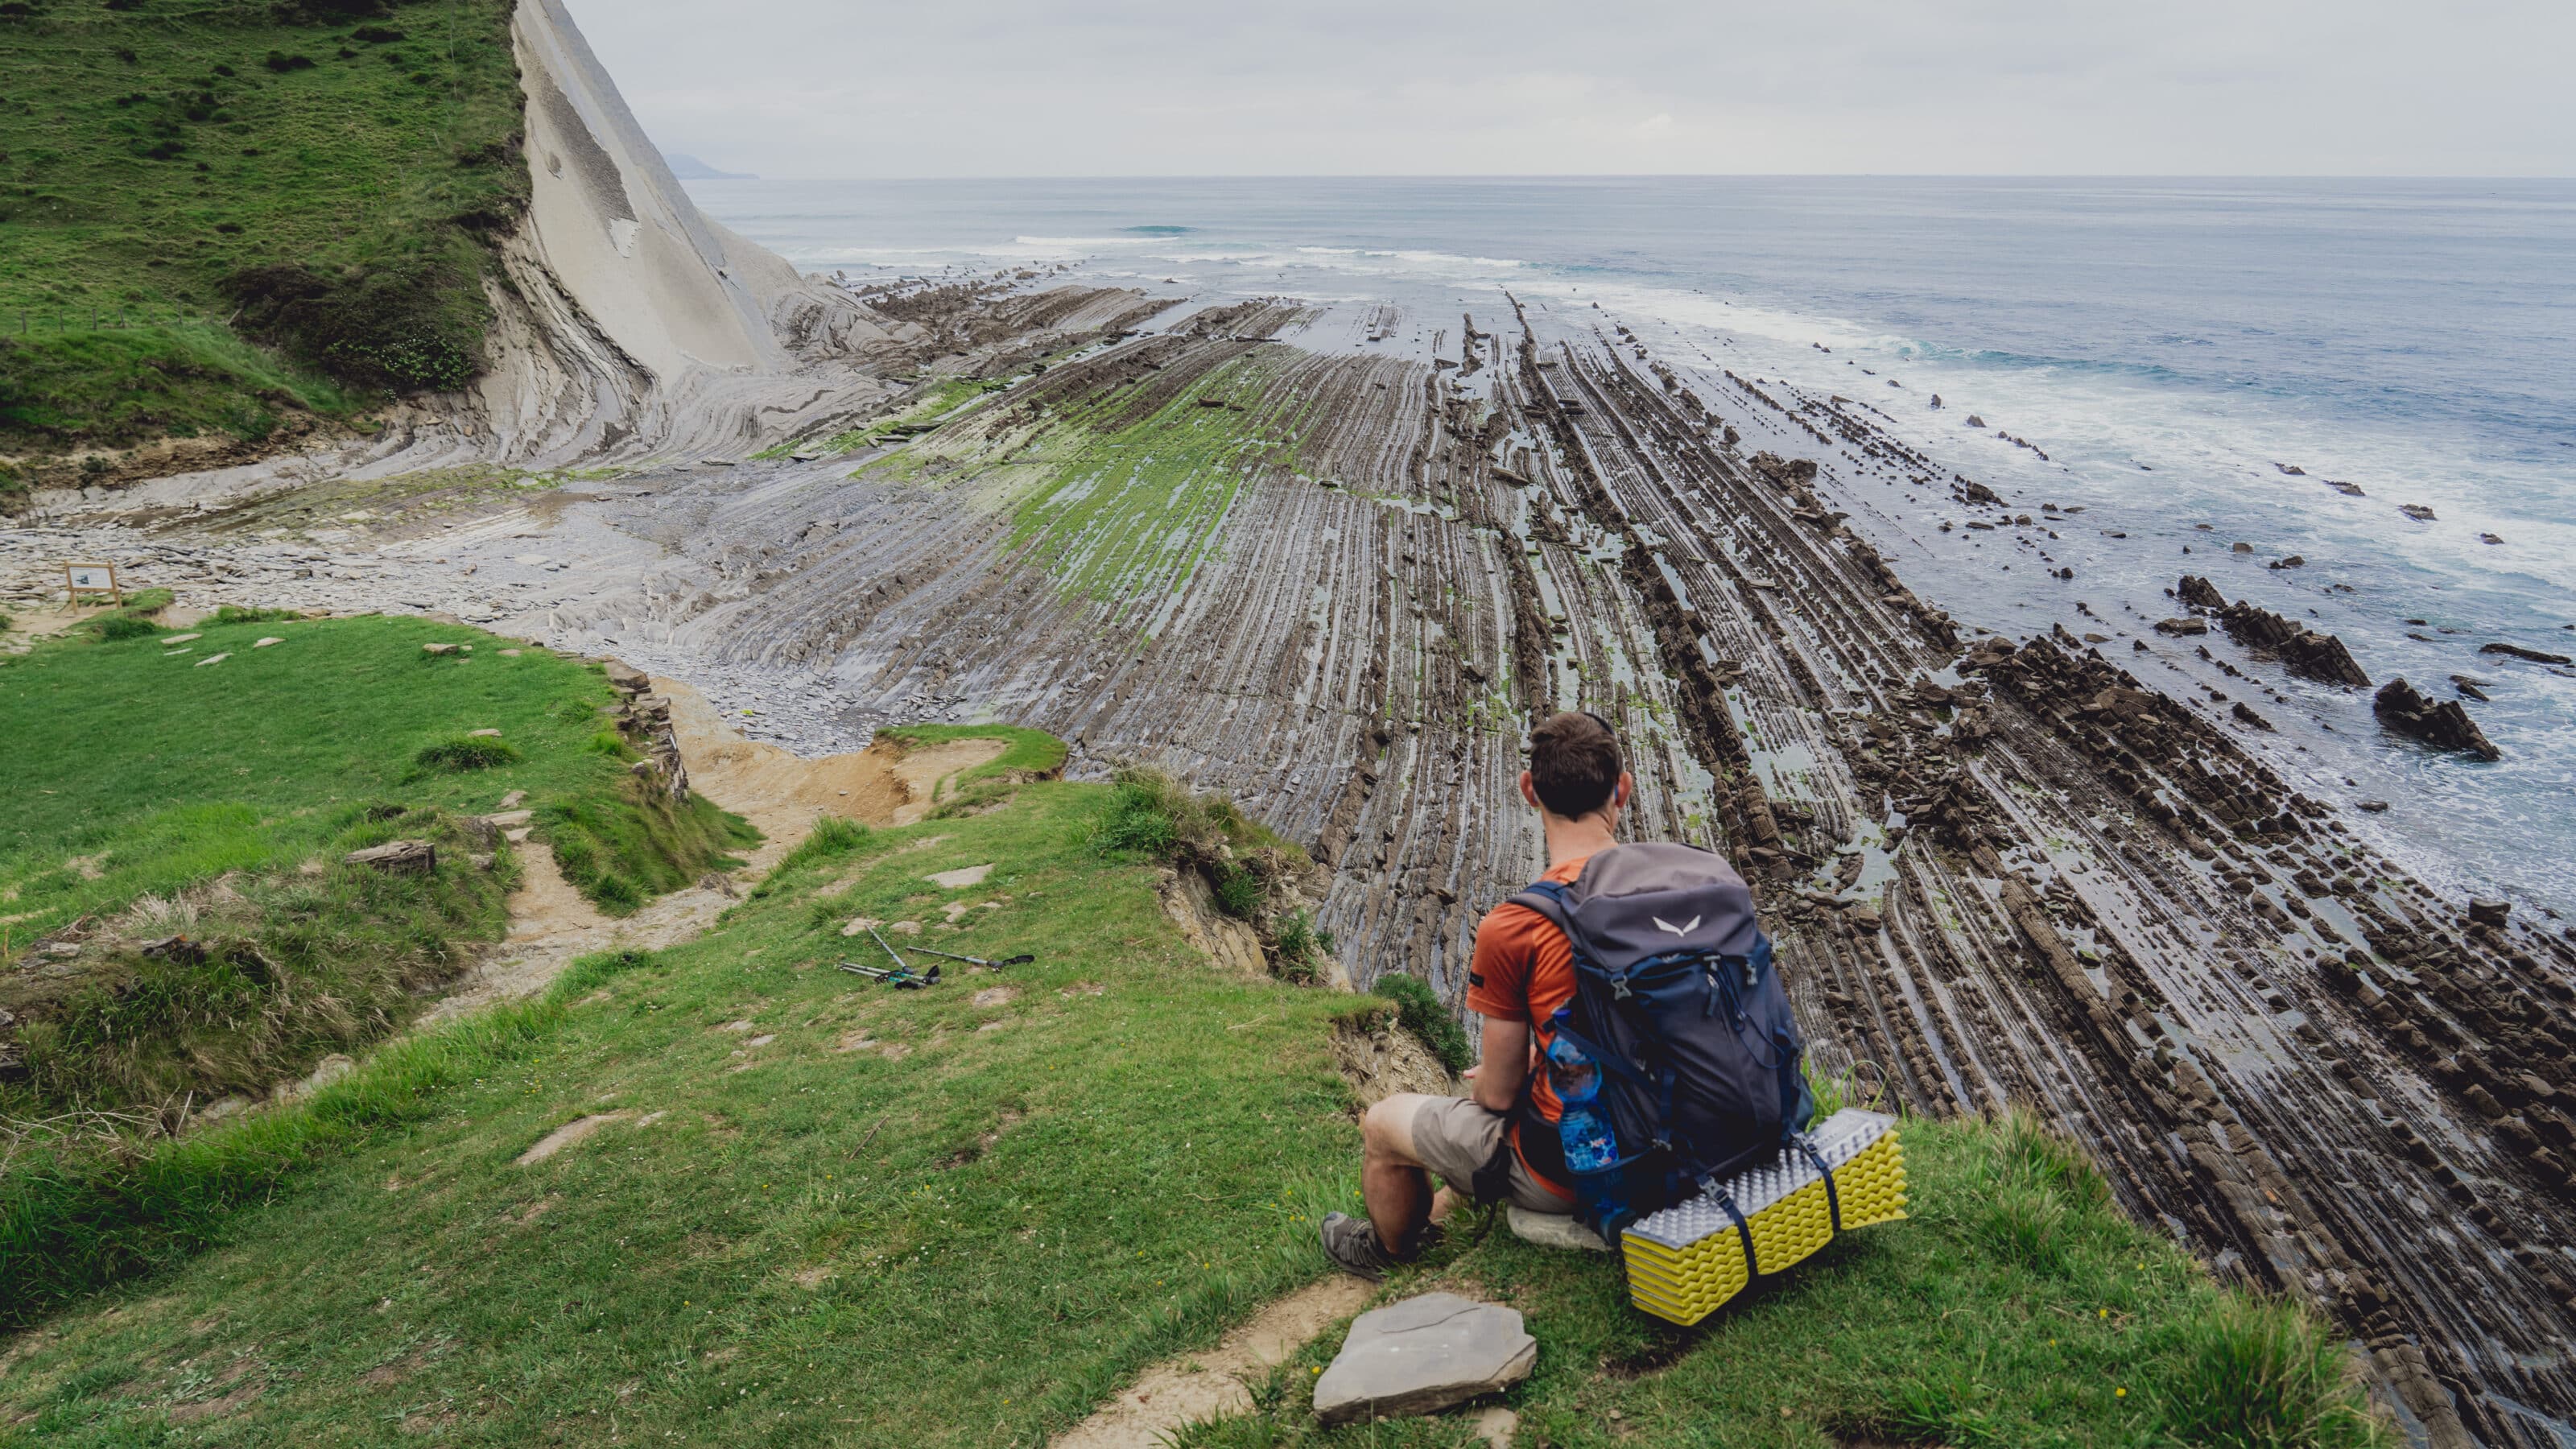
{"points": [[1626, 792], [1529, 791]]}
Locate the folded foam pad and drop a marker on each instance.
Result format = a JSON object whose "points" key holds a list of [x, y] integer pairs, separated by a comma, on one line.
{"points": [[1686, 1260]]}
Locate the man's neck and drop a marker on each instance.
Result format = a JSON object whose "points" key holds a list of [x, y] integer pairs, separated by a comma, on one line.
{"points": [[1575, 839]]}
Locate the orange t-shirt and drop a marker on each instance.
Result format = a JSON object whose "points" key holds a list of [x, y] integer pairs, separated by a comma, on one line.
{"points": [[1523, 970]]}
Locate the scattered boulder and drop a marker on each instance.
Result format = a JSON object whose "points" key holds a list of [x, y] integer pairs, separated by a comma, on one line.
{"points": [[2294, 561], [2518, 652], [2200, 593], [2302, 650], [264, 643], [2470, 688], [2484, 912], [438, 649], [2416, 511], [960, 878], [407, 857], [2246, 713], [2444, 726], [2182, 627], [2372, 807], [2489, 538], [1421, 1356], [1975, 422], [1784, 472]]}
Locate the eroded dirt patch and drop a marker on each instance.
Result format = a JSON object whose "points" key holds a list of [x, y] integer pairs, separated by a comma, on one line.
{"points": [[784, 793], [1196, 1387], [568, 1134]]}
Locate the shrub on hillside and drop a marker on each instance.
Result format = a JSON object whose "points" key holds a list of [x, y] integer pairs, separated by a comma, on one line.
{"points": [[460, 755], [123, 626], [237, 614], [1419, 1011], [1302, 950], [833, 837], [410, 324]]}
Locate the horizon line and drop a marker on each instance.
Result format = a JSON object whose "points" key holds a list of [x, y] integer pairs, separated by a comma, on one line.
{"points": [[2205, 176]]}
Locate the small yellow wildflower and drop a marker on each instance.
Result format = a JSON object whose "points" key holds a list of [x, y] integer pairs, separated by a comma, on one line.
{"points": [[2119, 1393]]}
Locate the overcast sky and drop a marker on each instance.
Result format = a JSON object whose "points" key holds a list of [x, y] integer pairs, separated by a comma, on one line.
{"points": [[827, 88]]}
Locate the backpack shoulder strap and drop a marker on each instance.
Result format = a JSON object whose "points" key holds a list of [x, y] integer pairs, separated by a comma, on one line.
{"points": [[1549, 899]]}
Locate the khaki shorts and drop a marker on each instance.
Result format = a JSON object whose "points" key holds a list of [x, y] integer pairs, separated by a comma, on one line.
{"points": [[1455, 1138]]}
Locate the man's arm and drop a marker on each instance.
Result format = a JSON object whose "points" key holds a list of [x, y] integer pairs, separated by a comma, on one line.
{"points": [[1507, 1062]]}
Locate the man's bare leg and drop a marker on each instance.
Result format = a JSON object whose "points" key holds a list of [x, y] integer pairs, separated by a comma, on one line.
{"points": [[1392, 1181]]}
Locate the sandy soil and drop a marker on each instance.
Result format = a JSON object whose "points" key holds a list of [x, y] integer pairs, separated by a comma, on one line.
{"points": [[551, 924], [26, 625], [784, 793]]}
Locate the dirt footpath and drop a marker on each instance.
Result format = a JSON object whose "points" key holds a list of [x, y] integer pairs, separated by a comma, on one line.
{"points": [[551, 924]]}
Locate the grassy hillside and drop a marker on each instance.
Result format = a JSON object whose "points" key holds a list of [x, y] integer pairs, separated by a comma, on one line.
{"points": [[802, 1208], [320, 176], [153, 793]]}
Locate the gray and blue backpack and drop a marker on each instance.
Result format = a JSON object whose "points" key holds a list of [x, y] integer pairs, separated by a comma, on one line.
{"points": [[1677, 1001]]}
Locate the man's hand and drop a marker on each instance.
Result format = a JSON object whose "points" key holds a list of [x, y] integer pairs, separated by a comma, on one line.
{"points": [[1495, 1084]]}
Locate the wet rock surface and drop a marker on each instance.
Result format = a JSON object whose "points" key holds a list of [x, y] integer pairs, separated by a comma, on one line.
{"points": [[2443, 724]]}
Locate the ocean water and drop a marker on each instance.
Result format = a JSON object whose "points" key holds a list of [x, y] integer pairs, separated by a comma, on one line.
{"points": [[2171, 346]]}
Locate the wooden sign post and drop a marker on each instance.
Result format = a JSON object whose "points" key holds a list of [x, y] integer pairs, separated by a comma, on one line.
{"points": [[92, 579]]}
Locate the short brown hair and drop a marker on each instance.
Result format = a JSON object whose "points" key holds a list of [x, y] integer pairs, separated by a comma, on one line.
{"points": [[1574, 763]]}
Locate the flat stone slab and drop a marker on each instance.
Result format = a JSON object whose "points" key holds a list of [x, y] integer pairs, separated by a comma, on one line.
{"points": [[960, 878], [1421, 1356]]}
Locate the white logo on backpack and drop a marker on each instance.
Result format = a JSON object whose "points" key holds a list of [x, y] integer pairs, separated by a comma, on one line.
{"points": [[1663, 925]]}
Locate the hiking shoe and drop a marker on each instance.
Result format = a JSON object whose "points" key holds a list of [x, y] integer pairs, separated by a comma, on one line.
{"points": [[1352, 1245]]}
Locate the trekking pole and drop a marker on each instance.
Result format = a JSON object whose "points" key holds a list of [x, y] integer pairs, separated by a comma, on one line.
{"points": [[903, 980], [1020, 960], [889, 950]]}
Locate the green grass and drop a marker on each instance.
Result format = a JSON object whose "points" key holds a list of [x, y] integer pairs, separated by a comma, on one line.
{"points": [[185, 381], [995, 1226], [120, 746], [1957, 1327], [157, 170], [142, 777], [883, 1224], [285, 968]]}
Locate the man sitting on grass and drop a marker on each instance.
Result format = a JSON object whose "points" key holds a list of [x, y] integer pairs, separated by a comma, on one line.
{"points": [[1490, 1142]]}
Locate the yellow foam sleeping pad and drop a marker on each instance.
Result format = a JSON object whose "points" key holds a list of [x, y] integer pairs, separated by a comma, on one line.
{"points": [[1688, 1259]]}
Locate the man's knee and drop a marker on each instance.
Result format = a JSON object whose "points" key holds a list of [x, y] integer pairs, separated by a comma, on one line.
{"points": [[1386, 1128]]}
